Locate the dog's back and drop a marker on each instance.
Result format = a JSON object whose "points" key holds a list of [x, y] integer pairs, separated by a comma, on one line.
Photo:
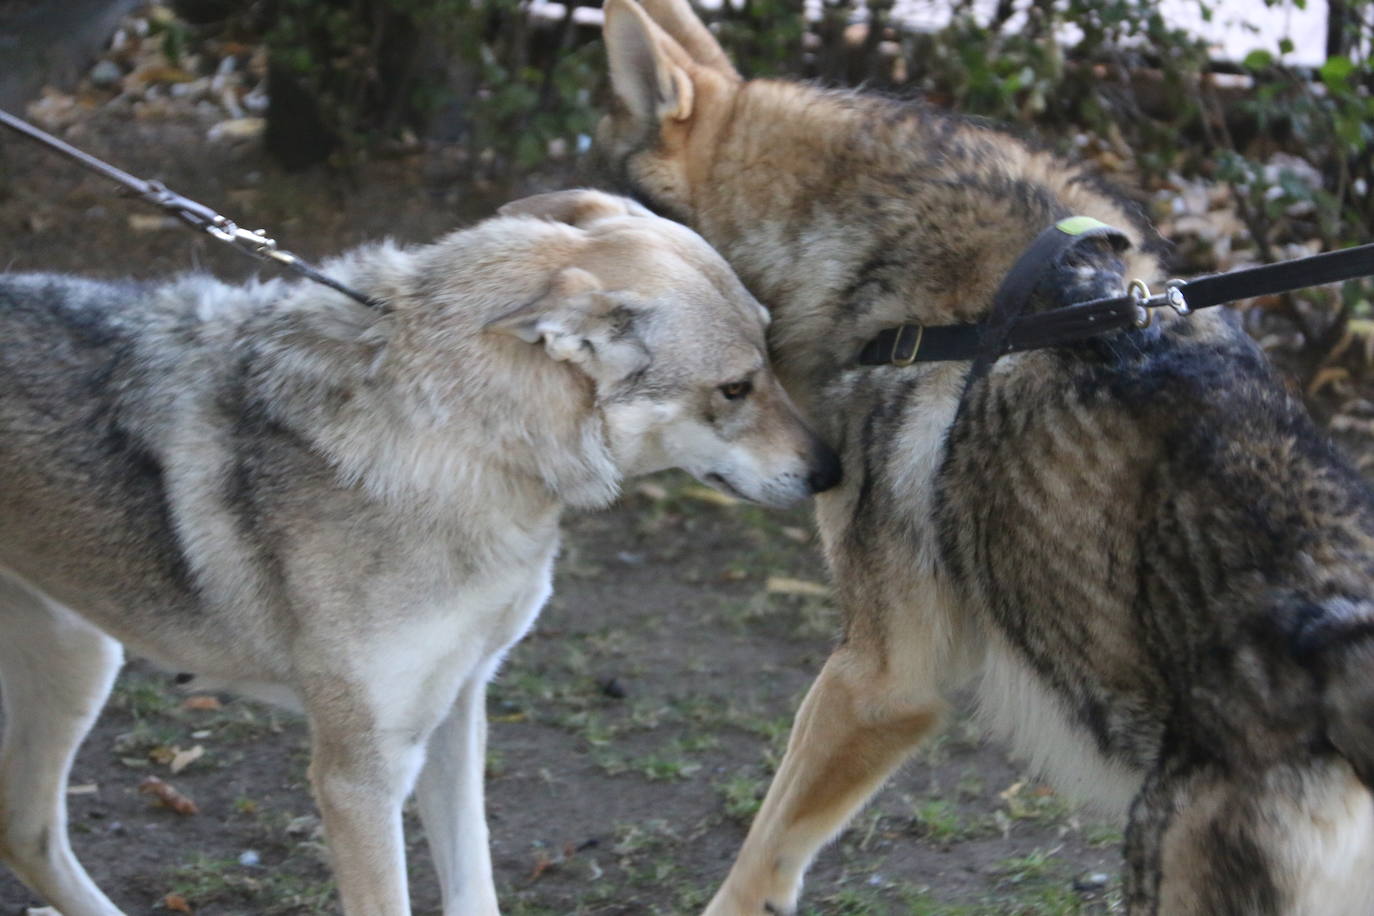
{"points": [[1164, 542], [76, 465]]}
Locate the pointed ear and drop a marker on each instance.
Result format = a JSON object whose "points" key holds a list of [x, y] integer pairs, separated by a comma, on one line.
{"points": [[579, 323], [550, 311], [576, 208], [648, 68], [682, 24]]}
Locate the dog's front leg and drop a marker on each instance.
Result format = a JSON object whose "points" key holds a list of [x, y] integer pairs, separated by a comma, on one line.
{"points": [[361, 772], [450, 795], [858, 722]]}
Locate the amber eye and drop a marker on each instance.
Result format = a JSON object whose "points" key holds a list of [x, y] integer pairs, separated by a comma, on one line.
{"points": [[733, 391]]}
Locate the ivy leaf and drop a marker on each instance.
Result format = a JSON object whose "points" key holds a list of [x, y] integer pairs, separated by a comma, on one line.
{"points": [[1336, 71], [1258, 59]]}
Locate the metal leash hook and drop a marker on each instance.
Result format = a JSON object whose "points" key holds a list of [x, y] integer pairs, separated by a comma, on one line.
{"points": [[1173, 297], [1145, 304], [196, 215]]}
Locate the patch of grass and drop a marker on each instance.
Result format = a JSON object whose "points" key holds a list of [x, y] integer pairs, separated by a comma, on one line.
{"points": [[665, 765], [143, 697], [637, 839], [919, 902], [242, 720], [741, 795], [1103, 836], [272, 891], [857, 901], [970, 783], [940, 821], [1037, 804], [1037, 866], [134, 746]]}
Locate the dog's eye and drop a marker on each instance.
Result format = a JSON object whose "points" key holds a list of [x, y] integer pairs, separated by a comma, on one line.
{"points": [[733, 391]]}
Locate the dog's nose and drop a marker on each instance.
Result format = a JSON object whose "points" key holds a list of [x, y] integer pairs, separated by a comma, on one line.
{"points": [[825, 471]]}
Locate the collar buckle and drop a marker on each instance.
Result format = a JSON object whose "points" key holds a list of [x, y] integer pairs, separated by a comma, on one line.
{"points": [[896, 357]]}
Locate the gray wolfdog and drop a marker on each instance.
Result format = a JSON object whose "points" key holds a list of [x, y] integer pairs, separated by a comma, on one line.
{"points": [[1153, 571], [351, 510]]}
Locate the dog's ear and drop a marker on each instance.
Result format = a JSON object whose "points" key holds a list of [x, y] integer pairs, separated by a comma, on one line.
{"points": [[579, 322], [576, 208], [677, 18], [648, 68]]}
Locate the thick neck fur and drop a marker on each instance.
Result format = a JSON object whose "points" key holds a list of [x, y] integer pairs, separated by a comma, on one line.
{"points": [[869, 212], [418, 404]]}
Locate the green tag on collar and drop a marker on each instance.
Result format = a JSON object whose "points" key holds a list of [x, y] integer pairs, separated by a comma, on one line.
{"points": [[1077, 225]]}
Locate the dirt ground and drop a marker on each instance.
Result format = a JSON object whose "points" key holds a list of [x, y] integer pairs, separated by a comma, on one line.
{"points": [[632, 734]]}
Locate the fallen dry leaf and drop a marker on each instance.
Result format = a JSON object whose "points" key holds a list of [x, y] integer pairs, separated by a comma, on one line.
{"points": [[707, 495], [654, 491], [182, 759], [167, 795], [177, 903], [542, 863]]}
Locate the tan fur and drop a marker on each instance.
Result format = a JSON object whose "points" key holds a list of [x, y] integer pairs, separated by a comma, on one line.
{"points": [[353, 511]]}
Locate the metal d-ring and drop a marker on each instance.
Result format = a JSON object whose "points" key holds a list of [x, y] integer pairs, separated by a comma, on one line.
{"points": [[1139, 290]]}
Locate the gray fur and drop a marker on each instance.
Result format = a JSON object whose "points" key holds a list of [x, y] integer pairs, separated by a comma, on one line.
{"points": [[350, 510]]}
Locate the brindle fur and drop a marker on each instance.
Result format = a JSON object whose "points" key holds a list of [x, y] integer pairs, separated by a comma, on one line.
{"points": [[1152, 568]]}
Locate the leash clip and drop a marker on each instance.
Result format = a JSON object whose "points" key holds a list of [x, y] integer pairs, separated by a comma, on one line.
{"points": [[1173, 297], [223, 229]]}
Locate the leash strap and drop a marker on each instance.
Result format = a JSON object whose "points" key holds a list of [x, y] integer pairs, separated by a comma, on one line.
{"points": [[196, 215], [1004, 330], [1018, 286], [912, 343]]}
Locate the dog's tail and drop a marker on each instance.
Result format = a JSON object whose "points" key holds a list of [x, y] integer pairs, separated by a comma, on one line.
{"points": [[1340, 652]]}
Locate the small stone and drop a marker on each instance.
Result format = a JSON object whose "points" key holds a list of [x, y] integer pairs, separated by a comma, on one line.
{"points": [[106, 73], [1091, 882], [191, 89], [237, 130], [250, 859]]}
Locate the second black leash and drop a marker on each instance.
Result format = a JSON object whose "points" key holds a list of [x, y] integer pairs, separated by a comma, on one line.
{"points": [[914, 343], [196, 215]]}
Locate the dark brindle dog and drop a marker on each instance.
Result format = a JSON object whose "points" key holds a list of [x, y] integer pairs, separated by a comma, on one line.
{"points": [[1153, 569]]}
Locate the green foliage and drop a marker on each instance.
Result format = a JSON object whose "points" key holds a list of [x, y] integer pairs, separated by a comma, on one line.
{"points": [[525, 88], [377, 68]]}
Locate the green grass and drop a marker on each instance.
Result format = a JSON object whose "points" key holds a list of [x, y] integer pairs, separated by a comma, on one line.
{"points": [[271, 890]]}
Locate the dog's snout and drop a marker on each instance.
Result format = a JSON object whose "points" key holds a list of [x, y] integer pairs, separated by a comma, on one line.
{"points": [[825, 469]]}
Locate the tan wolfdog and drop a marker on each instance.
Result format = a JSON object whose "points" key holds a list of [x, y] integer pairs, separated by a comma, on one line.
{"points": [[1137, 550], [352, 511]]}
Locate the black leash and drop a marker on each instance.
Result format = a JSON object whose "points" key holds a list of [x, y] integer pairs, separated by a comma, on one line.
{"points": [[196, 215], [1007, 331]]}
